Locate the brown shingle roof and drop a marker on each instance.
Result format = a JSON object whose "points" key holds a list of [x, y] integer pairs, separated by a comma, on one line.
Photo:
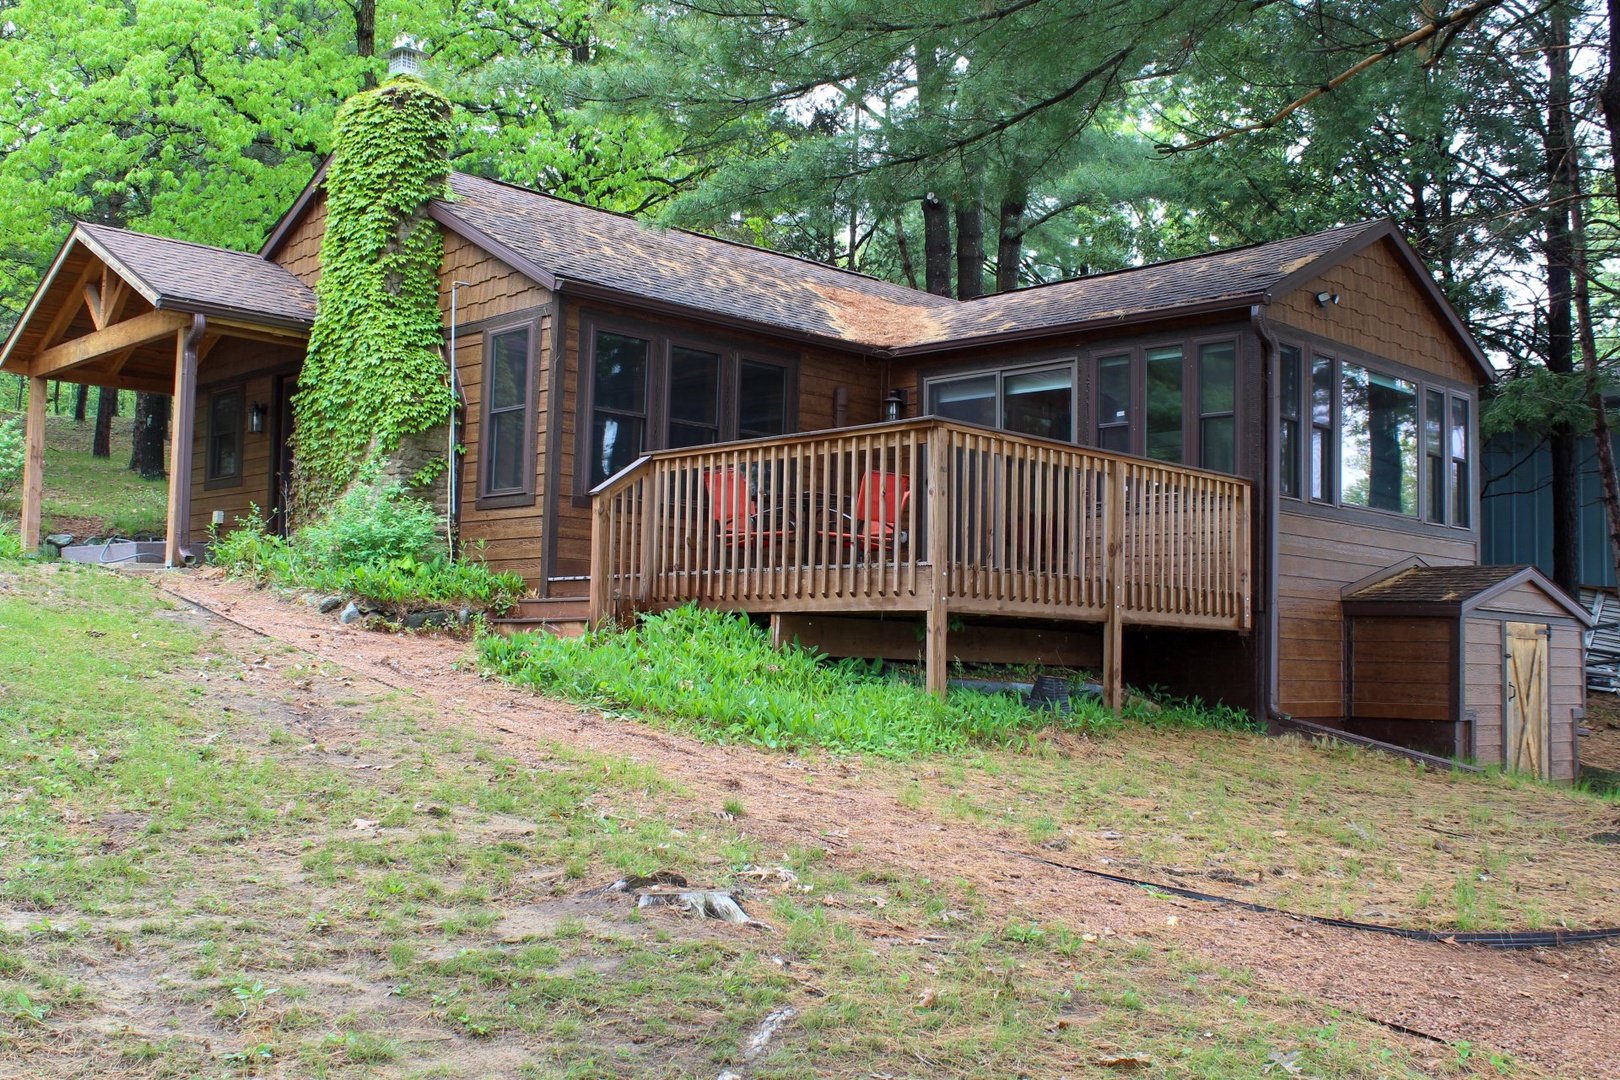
{"points": [[1436, 584], [183, 276], [614, 251], [1237, 275]]}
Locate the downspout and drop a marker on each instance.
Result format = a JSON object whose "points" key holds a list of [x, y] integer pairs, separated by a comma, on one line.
{"points": [[1270, 351]]}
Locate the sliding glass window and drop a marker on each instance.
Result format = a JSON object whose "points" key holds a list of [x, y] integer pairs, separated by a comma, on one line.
{"points": [[1029, 401], [1114, 404]]}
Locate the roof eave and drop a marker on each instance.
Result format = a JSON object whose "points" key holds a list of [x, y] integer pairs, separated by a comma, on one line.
{"points": [[33, 301], [252, 316], [294, 213]]}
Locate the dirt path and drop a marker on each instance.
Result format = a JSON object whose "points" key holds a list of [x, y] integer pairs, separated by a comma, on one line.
{"points": [[1558, 1009]]}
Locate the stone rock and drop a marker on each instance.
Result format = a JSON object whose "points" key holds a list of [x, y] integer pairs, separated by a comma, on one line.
{"points": [[58, 541], [464, 616], [416, 620], [351, 614], [330, 604], [436, 618]]}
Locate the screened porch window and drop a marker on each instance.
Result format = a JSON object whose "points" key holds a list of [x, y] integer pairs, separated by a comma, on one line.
{"points": [[762, 400], [619, 403], [1217, 405], [972, 401], [1114, 404], [694, 397], [1164, 418], [1378, 441]]}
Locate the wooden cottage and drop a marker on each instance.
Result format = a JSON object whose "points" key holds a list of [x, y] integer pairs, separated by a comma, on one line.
{"points": [[1171, 471]]}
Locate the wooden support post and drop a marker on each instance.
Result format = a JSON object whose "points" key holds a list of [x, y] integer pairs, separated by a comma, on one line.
{"points": [[182, 427], [1113, 673], [601, 546], [33, 492], [935, 655]]}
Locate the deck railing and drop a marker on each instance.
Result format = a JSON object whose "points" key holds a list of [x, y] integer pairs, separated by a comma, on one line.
{"points": [[923, 515]]}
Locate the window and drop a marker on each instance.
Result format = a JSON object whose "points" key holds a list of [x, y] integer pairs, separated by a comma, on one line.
{"points": [[225, 436], [1321, 429], [1434, 453], [1217, 400], [1164, 420], [972, 401], [1462, 495], [1114, 404], [1037, 401], [762, 397], [651, 390], [1040, 403], [1378, 444], [619, 403], [1288, 398], [508, 453], [694, 396]]}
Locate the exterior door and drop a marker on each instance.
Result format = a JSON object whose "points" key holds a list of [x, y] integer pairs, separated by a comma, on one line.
{"points": [[1524, 739]]}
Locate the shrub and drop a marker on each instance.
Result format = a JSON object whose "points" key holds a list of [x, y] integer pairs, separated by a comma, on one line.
{"points": [[10, 540], [402, 583], [11, 455], [373, 524], [719, 674]]}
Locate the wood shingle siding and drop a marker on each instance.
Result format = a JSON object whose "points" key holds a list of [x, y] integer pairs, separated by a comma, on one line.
{"points": [[300, 250], [512, 538], [1380, 311]]}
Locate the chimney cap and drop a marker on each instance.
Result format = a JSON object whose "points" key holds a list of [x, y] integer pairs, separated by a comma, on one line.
{"points": [[407, 57]]}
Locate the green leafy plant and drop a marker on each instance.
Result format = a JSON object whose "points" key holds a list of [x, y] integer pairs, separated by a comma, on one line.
{"points": [[10, 540], [12, 455], [719, 674], [374, 372], [373, 524]]}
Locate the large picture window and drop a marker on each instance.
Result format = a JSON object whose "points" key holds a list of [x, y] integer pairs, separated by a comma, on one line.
{"points": [[1114, 404], [1378, 441], [652, 390], [224, 466], [1163, 368]]}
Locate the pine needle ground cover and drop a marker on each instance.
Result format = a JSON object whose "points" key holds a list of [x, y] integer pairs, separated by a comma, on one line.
{"points": [[222, 858], [718, 676]]}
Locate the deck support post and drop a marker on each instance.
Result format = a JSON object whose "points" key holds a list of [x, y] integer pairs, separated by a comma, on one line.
{"points": [[1113, 673], [182, 428], [33, 492], [601, 552], [935, 654]]}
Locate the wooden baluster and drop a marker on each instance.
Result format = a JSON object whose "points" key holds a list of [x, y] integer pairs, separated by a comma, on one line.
{"points": [[935, 653]]}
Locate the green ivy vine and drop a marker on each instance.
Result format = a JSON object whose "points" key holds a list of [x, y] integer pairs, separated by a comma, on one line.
{"points": [[373, 372]]}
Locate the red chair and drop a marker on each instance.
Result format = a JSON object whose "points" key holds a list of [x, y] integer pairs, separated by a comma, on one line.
{"points": [[880, 507], [736, 516]]}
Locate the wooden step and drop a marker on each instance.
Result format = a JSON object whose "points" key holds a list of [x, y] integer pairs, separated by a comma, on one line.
{"points": [[564, 616]]}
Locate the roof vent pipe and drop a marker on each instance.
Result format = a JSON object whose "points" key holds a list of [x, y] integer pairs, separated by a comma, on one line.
{"points": [[406, 57]]}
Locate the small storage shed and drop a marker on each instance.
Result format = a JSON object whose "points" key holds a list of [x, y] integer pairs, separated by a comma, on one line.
{"points": [[1477, 662]]}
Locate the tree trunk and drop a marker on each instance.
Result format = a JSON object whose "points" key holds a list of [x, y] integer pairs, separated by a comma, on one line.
{"points": [[1010, 241], [365, 34], [81, 402], [151, 424], [969, 251], [106, 409], [1566, 506], [936, 245], [1594, 385], [907, 267]]}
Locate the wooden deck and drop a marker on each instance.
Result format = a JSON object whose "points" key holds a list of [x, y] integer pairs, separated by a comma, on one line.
{"points": [[925, 516]]}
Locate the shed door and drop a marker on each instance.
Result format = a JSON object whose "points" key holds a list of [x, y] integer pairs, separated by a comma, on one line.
{"points": [[1525, 746]]}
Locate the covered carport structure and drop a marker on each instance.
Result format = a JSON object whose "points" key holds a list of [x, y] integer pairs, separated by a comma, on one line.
{"points": [[130, 311]]}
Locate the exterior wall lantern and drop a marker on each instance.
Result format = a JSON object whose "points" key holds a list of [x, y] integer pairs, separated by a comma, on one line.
{"points": [[894, 406], [256, 415]]}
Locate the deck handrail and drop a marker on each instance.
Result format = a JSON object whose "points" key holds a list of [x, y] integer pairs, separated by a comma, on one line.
{"points": [[993, 523]]}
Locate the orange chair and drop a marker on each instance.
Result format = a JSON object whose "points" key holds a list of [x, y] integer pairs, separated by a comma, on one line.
{"points": [[880, 506], [736, 516]]}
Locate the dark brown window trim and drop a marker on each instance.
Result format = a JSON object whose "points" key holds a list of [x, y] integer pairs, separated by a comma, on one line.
{"points": [[525, 496], [1191, 417], [231, 479], [504, 320], [661, 336]]}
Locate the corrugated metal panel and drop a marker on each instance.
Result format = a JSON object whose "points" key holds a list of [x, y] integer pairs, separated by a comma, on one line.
{"points": [[1516, 509]]}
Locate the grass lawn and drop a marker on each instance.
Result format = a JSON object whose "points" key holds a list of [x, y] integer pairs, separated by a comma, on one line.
{"points": [[220, 858], [90, 496]]}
